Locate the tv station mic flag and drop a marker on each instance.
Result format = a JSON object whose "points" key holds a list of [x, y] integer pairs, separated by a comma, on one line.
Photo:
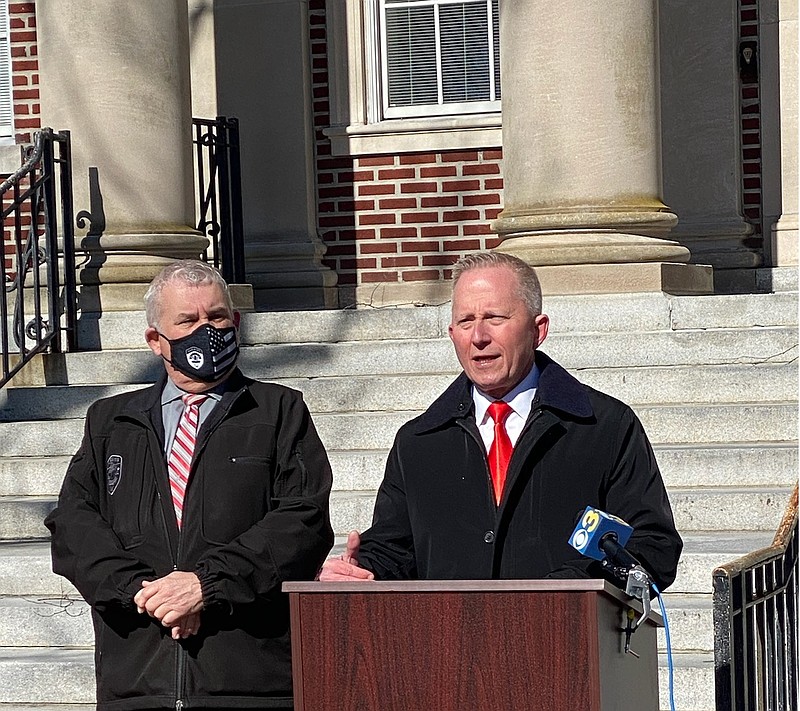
{"points": [[593, 527]]}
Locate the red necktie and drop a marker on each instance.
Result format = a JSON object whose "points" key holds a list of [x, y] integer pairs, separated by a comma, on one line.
{"points": [[179, 463], [501, 449]]}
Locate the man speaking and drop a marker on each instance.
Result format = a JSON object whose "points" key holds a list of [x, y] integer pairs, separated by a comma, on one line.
{"points": [[490, 480]]}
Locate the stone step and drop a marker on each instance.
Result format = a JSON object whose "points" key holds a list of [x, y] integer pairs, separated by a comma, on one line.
{"points": [[43, 676], [694, 682], [694, 510], [435, 355], [682, 466], [45, 622], [47, 707], [369, 393], [598, 313], [26, 571], [22, 518], [665, 424], [691, 622]]}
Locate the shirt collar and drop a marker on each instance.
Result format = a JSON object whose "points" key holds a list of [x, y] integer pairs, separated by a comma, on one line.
{"points": [[172, 392], [520, 398]]}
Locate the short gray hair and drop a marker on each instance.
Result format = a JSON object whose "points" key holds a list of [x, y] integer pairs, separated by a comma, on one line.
{"points": [[529, 289], [191, 272]]}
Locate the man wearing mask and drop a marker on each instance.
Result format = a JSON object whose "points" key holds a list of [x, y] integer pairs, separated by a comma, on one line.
{"points": [[185, 508], [490, 481]]}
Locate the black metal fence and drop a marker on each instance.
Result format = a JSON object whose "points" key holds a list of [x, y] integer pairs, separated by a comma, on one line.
{"points": [[39, 299], [755, 625], [218, 169]]}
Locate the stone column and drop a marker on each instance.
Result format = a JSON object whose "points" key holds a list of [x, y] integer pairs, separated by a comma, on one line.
{"points": [[779, 111], [701, 130], [116, 74], [264, 78], [581, 148]]}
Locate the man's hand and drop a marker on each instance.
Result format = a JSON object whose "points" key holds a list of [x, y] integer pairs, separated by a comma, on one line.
{"points": [[186, 626], [170, 598], [345, 566]]}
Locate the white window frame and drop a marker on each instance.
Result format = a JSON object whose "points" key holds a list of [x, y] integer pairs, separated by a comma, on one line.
{"points": [[358, 125], [6, 86]]}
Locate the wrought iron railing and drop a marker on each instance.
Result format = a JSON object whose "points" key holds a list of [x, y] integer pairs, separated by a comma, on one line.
{"points": [[219, 182], [755, 625], [36, 307]]}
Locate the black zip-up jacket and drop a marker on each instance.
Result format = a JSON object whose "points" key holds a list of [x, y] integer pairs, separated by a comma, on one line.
{"points": [[255, 514], [436, 518]]}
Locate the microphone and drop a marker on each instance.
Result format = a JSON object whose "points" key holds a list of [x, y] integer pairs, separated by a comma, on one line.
{"points": [[602, 537]]}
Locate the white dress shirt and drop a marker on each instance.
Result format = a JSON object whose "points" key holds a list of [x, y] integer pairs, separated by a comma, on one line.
{"points": [[520, 399]]}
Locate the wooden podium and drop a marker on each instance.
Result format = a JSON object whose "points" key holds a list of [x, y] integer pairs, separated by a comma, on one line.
{"points": [[481, 645]]}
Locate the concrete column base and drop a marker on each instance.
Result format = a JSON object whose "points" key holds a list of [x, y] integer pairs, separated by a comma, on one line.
{"points": [[626, 278], [590, 247], [288, 275], [784, 238]]}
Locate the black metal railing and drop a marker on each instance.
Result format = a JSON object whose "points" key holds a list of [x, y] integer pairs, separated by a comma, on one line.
{"points": [[755, 625], [37, 211], [219, 183]]}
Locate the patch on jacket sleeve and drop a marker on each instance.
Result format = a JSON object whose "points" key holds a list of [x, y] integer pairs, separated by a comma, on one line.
{"points": [[113, 472]]}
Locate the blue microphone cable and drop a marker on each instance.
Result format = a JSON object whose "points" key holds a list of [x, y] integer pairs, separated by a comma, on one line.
{"points": [[669, 649]]}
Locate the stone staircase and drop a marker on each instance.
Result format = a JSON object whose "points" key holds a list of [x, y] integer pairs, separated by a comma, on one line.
{"points": [[714, 379]]}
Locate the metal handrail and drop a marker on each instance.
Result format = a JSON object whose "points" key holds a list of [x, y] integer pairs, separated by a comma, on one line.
{"points": [[33, 225], [755, 624]]}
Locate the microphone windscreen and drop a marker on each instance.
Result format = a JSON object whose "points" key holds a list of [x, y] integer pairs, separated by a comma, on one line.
{"points": [[595, 524]]}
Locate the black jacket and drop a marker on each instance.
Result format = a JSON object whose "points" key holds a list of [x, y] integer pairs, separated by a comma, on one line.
{"points": [[255, 515], [435, 515]]}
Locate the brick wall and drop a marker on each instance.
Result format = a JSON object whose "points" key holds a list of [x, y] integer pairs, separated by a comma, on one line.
{"points": [[751, 120], [398, 218], [25, 69]]}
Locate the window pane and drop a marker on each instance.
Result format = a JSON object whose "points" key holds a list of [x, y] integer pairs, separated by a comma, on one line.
{"points": [[411, 56], [465, 52]]}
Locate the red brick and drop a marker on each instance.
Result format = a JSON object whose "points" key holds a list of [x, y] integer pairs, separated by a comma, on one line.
{"points": [[477, 229], [414, 218], [397, 203], [751, 109], [19, 52], [440, 171], [21, 110], [333, 250], [481, 169], [461, 245], [357, 234], [378, 248], [493, 242], [336, 191], [753, 213], [433, 260], [422, 275], [750, 123], [376, 189], [492, 212], [420, 246], [332, 220], [490, 199], [346, 278], [751, 153], [376, 160], [752, 183], [458, 186], [750, 92], [19, 80], [748, 31], [27, 123], [419, 188], [319, 92], [18, 8], [26, 94], [327, 207], [356, 176], [317, 33], [324, 178], [441, 201], [750, 138], [455, 156], [356, 205], [457, 215], [16, 23], [373, 277], [751, 168], [752, 198], [23, 37], [322, 106], [493, 154], [396, 174], [370, 263], [19, 65], [398, 232], [749, 16], [417, 158], [381, 218], [337, 163], [439, 231], [387, 262]]}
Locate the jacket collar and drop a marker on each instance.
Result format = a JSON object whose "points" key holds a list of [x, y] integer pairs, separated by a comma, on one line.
{"points": [[557, 391]]}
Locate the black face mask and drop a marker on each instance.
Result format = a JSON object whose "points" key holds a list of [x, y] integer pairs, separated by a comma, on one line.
{"points": [[206, 354]]}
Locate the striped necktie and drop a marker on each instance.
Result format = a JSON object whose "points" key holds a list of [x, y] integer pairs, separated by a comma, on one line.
{"points": [[179, 463], [501, 449]]}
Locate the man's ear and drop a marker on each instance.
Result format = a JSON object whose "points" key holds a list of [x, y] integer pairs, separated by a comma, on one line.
{"points": [[541, 328], [153, 340], [237, 317]]}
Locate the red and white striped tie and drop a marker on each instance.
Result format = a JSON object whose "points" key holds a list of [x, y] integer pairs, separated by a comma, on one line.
{"points": [[179, 463]]}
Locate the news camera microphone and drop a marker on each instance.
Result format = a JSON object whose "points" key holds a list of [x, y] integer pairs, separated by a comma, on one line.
{"points": [[602, 537]]}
